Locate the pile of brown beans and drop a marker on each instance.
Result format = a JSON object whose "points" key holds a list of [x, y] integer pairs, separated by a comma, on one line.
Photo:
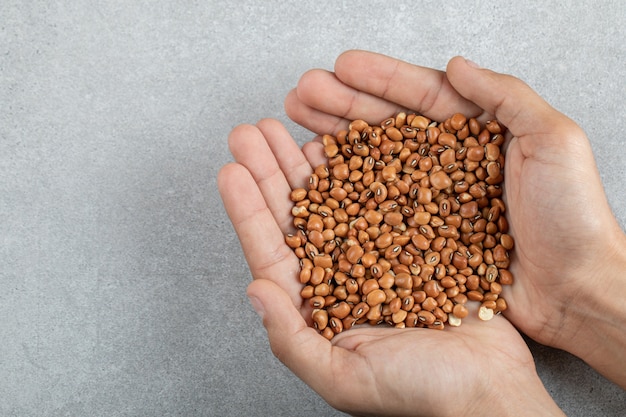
{"points": [[404, 224]]}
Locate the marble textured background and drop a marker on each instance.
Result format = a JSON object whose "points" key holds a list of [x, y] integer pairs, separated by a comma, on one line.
{"points": [[122, 283]]}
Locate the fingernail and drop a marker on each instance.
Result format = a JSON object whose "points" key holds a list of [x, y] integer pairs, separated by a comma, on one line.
{"points": [[472, 63], [257, 305]]}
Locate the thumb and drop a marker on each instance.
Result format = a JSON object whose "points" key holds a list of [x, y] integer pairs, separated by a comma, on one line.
{"points": [[295, 344], [509, 99]]}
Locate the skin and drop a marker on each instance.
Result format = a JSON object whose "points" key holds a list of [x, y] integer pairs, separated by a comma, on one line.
{"points": [[566, 261]]}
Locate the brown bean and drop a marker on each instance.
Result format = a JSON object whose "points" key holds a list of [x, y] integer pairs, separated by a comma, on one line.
{"points": [[457, 121], [393, 218], [427, 231], [360, 310], [475, 153], [336, 324], [460, 298], [358, 125], [506, 278], [403, 280], [394, 303], [469, 210], [492, 152], [478, 190], [445, 207], [369, 285], [495, 288], [331, 150], [317, 275], [375, 297], [322, 289], [493, 126], [408, 302], [426, 317], [352, 287], [373, 217], [474, 295], [293, 241], [493, 170], [300, 211], [448, 231], [320, 319], [317, 301], [500, 254], [379, 191], [339, 310], [387, 206], [354, 253], [432, 288], [447, 157], [419, 296], [399, 316], [440, 180], [492, 273], [501, 305], [341, 171], [444, 139], [429, 304], [298, 194], [422, 217], [460, 311], [433, 258], [386, 281], [507, 241], [393, 251]]}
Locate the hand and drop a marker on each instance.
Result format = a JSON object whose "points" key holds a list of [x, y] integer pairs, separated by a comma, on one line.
{"points": [[480, 368], [569, 251]]}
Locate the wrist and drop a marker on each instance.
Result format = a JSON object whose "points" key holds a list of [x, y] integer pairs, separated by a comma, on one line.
{"points": [[594, 324]]}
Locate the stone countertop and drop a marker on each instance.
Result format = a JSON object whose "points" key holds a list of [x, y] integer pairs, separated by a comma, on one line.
{"points": [[122, 283]]}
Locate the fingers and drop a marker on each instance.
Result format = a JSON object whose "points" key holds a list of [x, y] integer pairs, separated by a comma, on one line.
{"points": [[372, 87], [291, 161], [261, 238], [512, 102], [309, 355], [327, 103], [314, 152], [310, 118], [421, 89], [274, 161], [267, 149]]}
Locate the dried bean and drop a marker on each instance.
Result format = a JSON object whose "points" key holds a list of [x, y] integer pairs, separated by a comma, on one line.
{"points": [[404, 224]]}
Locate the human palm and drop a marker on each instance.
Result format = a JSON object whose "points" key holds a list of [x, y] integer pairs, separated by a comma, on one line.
{"points": [[367, 370], [562, 227], [385, 371]]}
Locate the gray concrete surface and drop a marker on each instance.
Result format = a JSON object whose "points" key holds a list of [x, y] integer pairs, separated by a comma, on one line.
{"points": [[122, 284]]}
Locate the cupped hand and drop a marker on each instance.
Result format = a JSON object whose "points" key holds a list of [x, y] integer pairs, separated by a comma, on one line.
{"points": [[566, 236], [480, 368]]}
